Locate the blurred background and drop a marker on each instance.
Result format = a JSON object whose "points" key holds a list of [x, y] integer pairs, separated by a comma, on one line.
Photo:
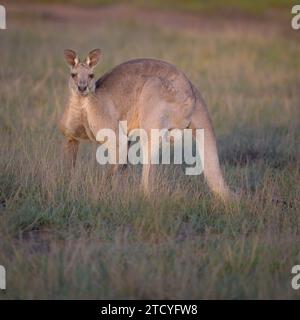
{"points": [[95, 237]]}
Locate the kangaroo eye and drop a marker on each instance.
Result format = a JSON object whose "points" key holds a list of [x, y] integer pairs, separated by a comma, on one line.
{"points": [[73, 75], [91, 76]]}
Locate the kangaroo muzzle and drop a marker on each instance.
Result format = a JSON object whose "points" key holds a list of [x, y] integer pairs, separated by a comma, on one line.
{"points": [[82, 88]]}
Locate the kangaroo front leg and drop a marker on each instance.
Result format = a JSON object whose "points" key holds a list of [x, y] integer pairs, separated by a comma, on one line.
{"points": [[70, 151]]}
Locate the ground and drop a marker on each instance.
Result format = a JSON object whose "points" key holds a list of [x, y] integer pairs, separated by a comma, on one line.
{"points": [[96, 237]]}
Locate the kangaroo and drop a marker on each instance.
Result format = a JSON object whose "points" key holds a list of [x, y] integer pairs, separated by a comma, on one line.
{"points": [[147, 93]]}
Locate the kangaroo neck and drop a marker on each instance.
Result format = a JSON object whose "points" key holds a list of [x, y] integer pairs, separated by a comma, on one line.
{"points": [[77, 101]]}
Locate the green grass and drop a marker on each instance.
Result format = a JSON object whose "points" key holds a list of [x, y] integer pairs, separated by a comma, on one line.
{"points": [[93, 237]]}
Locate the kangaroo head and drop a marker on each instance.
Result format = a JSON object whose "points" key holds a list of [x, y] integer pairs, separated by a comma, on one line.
{"points": [[82, 80]]}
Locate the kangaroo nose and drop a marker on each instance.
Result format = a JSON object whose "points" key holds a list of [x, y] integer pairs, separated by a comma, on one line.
{"points": [[82, 88]]}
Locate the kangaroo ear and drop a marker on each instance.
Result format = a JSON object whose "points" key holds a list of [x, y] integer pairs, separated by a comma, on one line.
{"points": [[71, 57], [93, 58]]}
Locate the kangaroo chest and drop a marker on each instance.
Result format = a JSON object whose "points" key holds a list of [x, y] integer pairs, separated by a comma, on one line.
{"points": [[85, 123]]}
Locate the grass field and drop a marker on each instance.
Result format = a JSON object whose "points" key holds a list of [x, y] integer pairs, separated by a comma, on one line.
{"points": [[93, 237], [251, 7]]}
